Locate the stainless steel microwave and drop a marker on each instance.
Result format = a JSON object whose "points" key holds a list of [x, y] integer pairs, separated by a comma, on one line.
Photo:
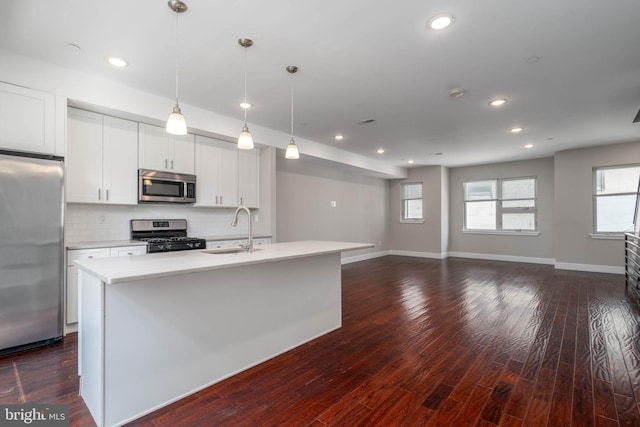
{"points": [[165, 187]]}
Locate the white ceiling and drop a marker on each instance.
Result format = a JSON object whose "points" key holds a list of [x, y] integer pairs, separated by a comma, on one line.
{"points": [[362, 59]]}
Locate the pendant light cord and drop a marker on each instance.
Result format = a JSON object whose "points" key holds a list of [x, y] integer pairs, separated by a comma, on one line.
{"points": [[177, 57], [245, 86], [291, 105]]}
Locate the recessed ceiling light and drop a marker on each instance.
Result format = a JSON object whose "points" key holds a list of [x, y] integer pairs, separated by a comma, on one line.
{"points": [[380, 150], [410, 161], [516, 129], [245, 105], [338, 137], [528, 146], [117, 62], [440, 22], [498, 102], [456, 92]]}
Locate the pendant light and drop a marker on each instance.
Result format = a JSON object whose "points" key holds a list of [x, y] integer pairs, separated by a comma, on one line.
{"points": [[292, 152], [176, 123], [245, 140]]}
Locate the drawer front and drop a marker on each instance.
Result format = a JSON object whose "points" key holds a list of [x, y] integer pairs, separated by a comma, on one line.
{"points": [[128, 251], [217, 244], [74, 255]]}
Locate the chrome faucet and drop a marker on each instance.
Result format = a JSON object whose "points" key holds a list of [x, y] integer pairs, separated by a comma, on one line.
{"points": [[234, 222]]}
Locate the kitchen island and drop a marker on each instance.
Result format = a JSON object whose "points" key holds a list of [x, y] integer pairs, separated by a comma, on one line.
{"points": [[156, 328]]}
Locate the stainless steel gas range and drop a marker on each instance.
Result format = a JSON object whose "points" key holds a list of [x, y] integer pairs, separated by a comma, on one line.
{"points": [[165, 235]]}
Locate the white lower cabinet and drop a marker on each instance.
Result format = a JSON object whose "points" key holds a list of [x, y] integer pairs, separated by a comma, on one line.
{"points": [[217, 244], [261, 241], [127, 251], [71, 300]]}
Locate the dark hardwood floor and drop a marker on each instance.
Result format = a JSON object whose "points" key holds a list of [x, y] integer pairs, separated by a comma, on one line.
{"points": [[424, 342]]}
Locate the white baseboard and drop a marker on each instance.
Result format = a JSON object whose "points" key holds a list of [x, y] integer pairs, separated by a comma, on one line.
{"points": [[70, 328], [592, 268], [491, 257], [364, 257], [510, 258], [433, 255]]}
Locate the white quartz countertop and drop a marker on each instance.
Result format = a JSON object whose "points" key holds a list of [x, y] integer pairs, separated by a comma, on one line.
{"points": [[130, 268]]}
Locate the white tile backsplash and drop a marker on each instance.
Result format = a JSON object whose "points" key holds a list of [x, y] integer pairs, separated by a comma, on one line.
{"points": [[92, 223]]}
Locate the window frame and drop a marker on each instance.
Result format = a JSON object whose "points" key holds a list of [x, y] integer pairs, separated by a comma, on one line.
{"points": [[594, 175], [500, 209], [403, 200]]}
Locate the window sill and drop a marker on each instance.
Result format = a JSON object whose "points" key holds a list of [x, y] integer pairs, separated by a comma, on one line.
{"points": [[412, 221], [607, 236], [503, 233]]}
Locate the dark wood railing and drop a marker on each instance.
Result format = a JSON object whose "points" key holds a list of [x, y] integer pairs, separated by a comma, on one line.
{"points": [[632, 263]]}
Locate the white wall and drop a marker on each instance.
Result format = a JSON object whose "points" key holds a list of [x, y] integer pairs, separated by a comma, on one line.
{"points": [[304, 193], [574, 248], [537, 249], [428, 238]]}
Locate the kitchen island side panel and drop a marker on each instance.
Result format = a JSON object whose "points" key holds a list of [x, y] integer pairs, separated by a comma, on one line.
{"points": [[168, 337], [91, 343]]}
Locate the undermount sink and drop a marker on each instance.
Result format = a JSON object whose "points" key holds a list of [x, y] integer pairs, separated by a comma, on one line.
{"points": [[229, 250]]}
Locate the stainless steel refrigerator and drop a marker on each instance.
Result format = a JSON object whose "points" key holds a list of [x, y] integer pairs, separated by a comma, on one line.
{"points": [[31, 250]]}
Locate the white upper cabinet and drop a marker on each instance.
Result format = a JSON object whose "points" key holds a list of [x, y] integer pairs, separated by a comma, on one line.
{"points": [[159, 150], [27, 120], [120, 161], [101, 162], [217, 173], [248, 175]]}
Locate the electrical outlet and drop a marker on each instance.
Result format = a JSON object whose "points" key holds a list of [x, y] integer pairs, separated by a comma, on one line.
{"points": [[333, 204]]}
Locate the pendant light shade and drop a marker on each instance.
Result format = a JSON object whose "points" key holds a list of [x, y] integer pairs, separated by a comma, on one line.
{"points": [[176, 124], [245, 140], [292, 152]]}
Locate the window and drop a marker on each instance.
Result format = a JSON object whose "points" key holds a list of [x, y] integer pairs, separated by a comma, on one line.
{"points": [[411, 195], [614, 198], [500, 205]]}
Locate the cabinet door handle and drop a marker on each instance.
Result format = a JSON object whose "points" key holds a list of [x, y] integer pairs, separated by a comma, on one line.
{"points": [[216, 200], [107, 195], [171, 164], [99, 194], [90, 256], [240, 199], [220, 199], [129, 253], [166, 163]]}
